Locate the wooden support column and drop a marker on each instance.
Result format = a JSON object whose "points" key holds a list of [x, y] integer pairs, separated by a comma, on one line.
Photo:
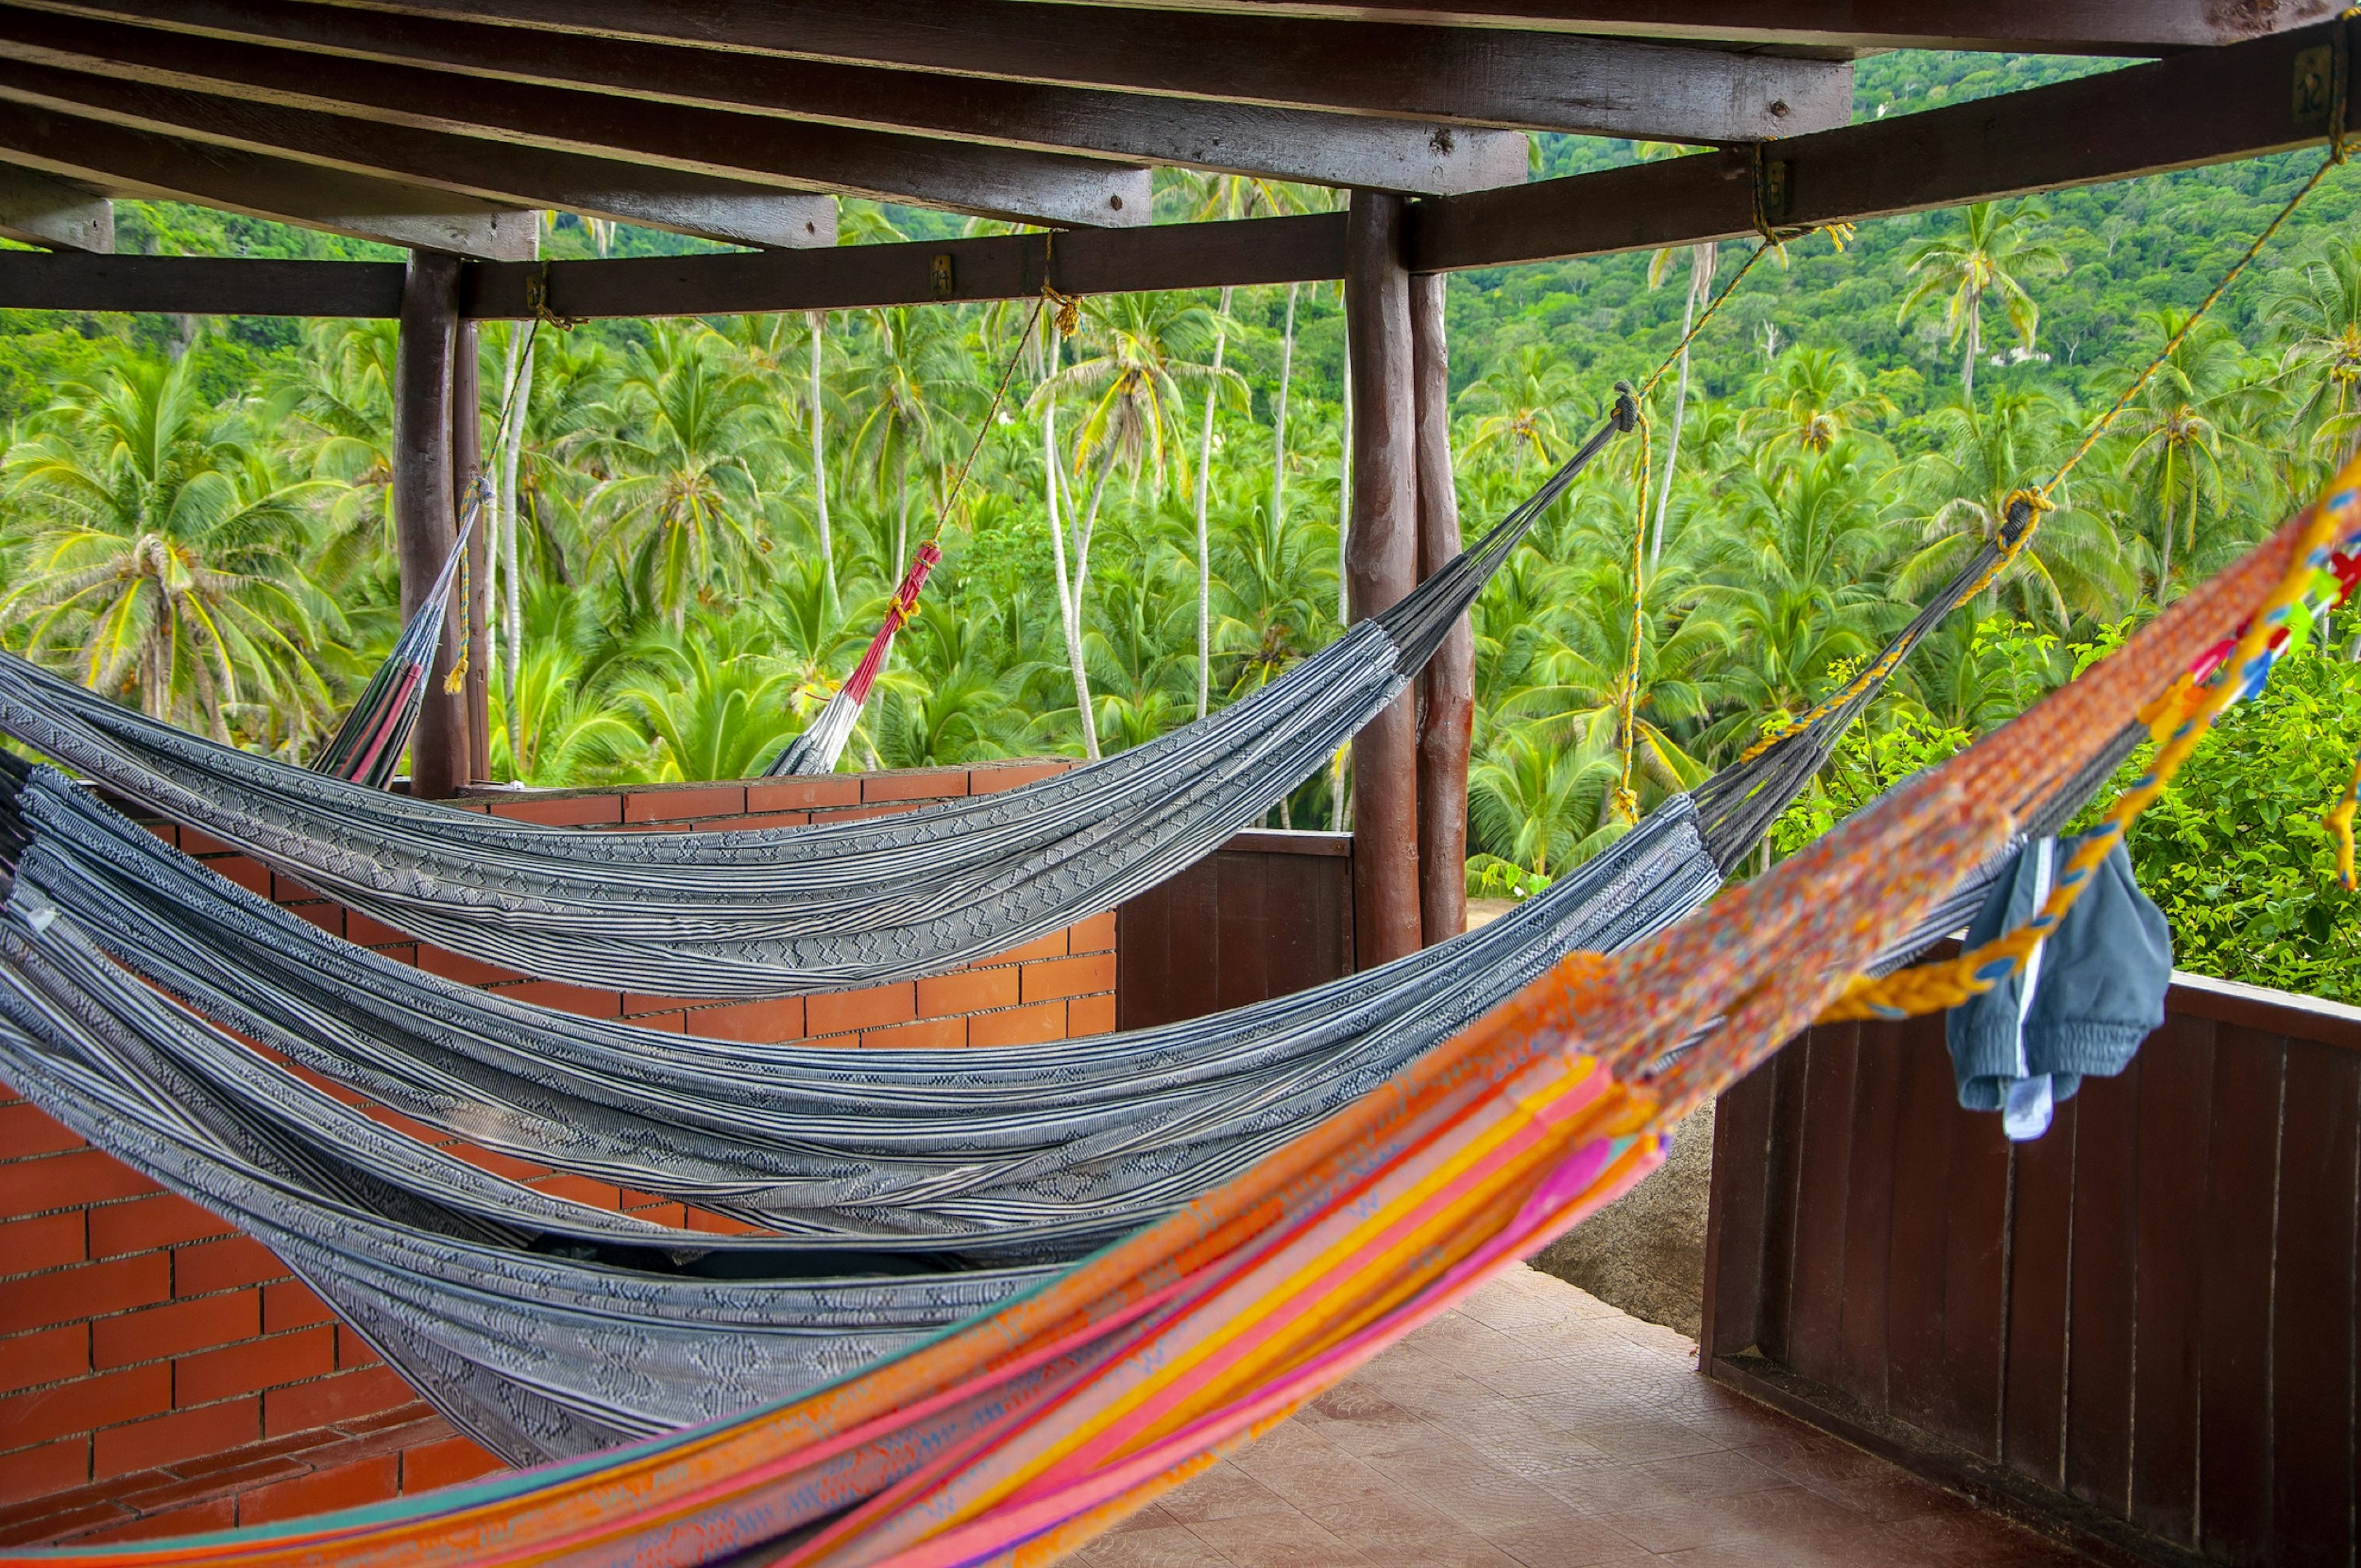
{"points": [[467, 463], [1446, 690], [1380, 568], [423, 522]]}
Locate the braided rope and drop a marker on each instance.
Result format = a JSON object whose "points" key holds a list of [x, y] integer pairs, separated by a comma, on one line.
{"points": [[2179, 720], [1625, 801]]}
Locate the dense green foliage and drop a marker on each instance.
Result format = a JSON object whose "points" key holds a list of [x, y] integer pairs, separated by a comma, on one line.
{"points": [[196, 511]]}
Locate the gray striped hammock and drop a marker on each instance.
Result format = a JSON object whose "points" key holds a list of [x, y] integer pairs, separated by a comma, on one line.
{"points": [[777, 911]]}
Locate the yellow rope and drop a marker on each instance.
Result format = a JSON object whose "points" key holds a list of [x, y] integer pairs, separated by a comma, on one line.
{"points": [[536, 300], [1625, 802]]}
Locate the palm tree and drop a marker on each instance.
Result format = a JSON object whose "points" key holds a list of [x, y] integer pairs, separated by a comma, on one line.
{"points": [[1812, 398], [711, 706], [2073, 564], [1993, 252], [1519, 403], [1703, 260], [916, 375], [1539, 802], [336, 401], [159, 554], [2319, 309], [1136, 387], [2176, 459], [1792, 583], [684, 499]]}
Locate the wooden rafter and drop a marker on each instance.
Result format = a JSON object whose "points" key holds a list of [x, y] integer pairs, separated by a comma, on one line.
{"points": [[124, 161], [523, 176], [2110, 127], [781, 154], [1472, 76], [214, 47], [39, 210], [2074, 27]]}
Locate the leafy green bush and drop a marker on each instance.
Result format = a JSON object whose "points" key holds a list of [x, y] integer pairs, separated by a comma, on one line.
{"points": [[1490, 876], [2236, 853]]}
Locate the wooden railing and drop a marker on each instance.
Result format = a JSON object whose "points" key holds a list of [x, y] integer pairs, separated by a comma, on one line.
{"points": [[2138, 1333]]}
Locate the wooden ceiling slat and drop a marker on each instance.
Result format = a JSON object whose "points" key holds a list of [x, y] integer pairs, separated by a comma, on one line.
{"points": [[124, 161], [511, 176], [40, 210], [2136, 121], [2067, 27], [1233, 138], [1024, 186], [1473, 76]]}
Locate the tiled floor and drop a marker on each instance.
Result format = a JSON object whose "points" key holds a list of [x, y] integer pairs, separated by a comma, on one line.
{"points": [[1538, 1427]]}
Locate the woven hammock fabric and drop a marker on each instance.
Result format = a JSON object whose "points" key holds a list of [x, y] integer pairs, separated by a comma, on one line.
{"points": [[1032, 1152], [1036, 1425], [368, 746], [771, 912]]}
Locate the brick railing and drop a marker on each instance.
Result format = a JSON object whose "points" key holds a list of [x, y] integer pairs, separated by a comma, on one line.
{"points": [[153, 1363]]}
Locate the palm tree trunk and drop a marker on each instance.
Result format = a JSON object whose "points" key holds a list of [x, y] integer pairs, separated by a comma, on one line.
{"points": [[1090, 527], [1975, 346], [1278, 416], [1701, 268], [819, 460], [1069, 618], [521, 399], [1205, 482], [1344, 600], [901, 513]]}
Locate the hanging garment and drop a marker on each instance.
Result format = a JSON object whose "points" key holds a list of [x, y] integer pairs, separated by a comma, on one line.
{"points": [[2082, 1005], [1043, 1420]]}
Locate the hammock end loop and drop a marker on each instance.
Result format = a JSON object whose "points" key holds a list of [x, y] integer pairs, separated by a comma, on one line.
{"points": [[1626, 412]]}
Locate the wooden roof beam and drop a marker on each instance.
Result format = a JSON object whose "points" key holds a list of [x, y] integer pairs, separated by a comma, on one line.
{"points": [[2061, 27], [126, 162], [2111, 126], [2200, 107], [39, 210], [512, 176], [1474, 76], [1018, 185], [325, 47]]}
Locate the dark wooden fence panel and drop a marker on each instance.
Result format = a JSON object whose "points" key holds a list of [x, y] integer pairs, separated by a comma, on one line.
{"points": [[2142, 1331], [1266, 914]]}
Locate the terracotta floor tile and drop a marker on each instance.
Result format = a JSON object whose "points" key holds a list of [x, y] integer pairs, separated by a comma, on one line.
{"points": [[1573, 1543], [1166, 1546], [1276, 1540], [1722, 1474], [1222, 1492]]}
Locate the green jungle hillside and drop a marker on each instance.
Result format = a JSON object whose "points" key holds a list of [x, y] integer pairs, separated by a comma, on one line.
{"points": [[193, 513]]}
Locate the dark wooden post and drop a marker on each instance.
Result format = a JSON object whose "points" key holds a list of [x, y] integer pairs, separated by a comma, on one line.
{"points": [[467, 463], [423, 524], [1380, 568], [1446, 691]]}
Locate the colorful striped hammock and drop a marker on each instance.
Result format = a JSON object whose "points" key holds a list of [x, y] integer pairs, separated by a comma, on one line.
{"points": [[1030, 1429], [367, 746], [816, 750]]}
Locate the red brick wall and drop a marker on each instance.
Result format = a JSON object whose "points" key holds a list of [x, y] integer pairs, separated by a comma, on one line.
{"points": [[137, 1332]]}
